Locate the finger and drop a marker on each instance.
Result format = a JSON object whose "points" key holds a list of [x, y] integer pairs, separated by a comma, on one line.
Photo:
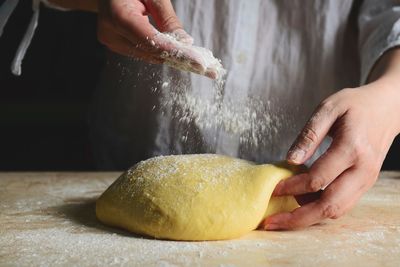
{"points": [[336, 200], [122, 46], [163, 14], [211, 73], [324, 170], [132, 22], [134, 25], [185, 58], [182, 36], [313, 133]]}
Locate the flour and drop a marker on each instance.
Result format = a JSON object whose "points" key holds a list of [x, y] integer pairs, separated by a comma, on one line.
{"points": [[160, 168], [251, 119], [187, 57]]}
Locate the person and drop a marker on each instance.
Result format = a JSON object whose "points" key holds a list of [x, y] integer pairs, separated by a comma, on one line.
{"points": [[332, 66]]}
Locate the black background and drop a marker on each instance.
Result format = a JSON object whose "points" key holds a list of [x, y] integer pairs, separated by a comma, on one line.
{"points": [[43, 113]]}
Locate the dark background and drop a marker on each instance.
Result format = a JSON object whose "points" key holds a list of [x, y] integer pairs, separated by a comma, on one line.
{"points": [[43, 113]]}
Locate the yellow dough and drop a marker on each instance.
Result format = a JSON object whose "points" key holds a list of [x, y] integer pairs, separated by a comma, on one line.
{"points": [[194, 197]]}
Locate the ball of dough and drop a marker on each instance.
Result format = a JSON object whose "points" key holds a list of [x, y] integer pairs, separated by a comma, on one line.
{"points": [[194, 197]]}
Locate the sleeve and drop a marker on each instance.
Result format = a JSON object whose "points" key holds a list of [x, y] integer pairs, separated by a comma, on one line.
{"points": [[379, 25], [6, 10]]}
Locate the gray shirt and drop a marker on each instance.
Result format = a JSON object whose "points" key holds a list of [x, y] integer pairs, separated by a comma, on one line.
{"points": [[283, 57]]}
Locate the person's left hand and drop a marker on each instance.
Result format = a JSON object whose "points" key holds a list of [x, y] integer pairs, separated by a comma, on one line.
{"points": [[362, 123]]}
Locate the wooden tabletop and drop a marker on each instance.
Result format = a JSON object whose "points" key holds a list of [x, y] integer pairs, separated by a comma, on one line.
{"points": [[48, 219]]}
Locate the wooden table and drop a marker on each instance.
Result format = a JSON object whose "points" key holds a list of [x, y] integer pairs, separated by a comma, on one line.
{"points": [[48, 219]]}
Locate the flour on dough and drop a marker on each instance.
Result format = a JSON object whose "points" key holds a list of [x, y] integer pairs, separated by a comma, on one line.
{"points": [[193, 197]]}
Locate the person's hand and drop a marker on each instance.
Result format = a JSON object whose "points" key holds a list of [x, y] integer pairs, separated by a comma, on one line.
{"points": [[124, 27], [363, 123]]}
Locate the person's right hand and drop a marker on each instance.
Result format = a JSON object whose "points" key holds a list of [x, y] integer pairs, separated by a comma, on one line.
{"points": [[124, 27]]}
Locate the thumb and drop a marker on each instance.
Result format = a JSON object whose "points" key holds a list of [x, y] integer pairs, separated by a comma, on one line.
{"points": [[163, 14]]}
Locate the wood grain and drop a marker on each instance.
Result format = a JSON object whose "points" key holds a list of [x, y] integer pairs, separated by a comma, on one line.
{"points": [[49, 219]]}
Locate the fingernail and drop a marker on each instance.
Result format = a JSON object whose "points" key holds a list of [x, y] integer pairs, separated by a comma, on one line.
{"points": [[296, 156], [211, 74]]}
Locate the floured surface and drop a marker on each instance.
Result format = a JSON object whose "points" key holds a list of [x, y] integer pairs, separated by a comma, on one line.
{"points": [[48, 219]]}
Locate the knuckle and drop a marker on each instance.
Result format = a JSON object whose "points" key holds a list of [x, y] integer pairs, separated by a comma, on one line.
{"points": [[331, 211], [359, 150], [327, 106], [347, 153], [315, 184], [308, 136], [343, 93], [169, 21], [346, 91]]}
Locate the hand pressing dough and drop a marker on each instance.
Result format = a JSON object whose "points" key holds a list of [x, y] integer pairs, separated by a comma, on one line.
{"points": [[194, 197]]}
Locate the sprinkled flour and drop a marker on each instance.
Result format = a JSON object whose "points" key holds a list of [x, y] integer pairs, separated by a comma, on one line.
{"points": [[249, 118], [212, 170], [252, 120]]}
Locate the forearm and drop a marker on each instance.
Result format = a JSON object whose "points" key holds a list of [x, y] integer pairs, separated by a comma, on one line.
{"points": [[84, 5]]}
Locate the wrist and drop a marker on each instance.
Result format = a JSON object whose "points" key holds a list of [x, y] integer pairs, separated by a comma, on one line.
{"points": [[384, 79], [387, 89]]}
